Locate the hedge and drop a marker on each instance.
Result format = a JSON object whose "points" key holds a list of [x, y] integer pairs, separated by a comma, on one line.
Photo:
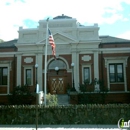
{"points": [[73, 114]]}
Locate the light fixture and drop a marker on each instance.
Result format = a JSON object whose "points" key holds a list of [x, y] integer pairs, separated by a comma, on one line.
{"points": [[36, 65], [72, 64], [57, 70]]}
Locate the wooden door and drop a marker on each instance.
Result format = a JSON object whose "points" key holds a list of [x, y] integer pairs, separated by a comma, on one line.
{"points": [[57, 85]]}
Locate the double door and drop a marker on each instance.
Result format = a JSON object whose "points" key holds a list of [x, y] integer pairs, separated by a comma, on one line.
{"points": [[57, 85]]}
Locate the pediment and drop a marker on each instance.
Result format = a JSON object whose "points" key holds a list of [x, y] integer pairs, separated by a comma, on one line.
{"points": [[60, 39]]}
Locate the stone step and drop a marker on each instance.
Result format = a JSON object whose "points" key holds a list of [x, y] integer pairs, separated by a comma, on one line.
{"points": [[63, 99]]}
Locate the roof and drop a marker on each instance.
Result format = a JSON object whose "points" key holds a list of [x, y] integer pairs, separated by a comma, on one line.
{"points": [[8, 44], [62, 17], [110, 39]]}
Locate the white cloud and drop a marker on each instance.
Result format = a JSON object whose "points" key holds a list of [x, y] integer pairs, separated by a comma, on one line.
{"points": [[125, 35], [90, 11]]}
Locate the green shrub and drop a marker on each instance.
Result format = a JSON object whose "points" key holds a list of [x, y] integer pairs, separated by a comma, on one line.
{"points": [[51, 100], [86, 88], [21, 95]]}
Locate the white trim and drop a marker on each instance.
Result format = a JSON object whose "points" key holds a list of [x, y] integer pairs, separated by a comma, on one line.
{"points": [[96, 65], [61, 34], [8, 78], [108, 80], [116, 60], [18, 70], [61, 58], [6, 55], [123, 60], [77, 69], [25, 68], [39, 61], [110, 50]]}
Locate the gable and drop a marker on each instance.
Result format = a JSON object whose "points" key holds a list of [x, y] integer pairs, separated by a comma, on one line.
{"points": [[61, 39]]}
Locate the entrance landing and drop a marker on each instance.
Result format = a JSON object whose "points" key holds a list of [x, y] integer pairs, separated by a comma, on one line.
{"points": [[63, 99]]}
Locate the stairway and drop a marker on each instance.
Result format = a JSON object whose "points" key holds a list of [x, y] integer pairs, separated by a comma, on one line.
{"points": [[63, 99]]}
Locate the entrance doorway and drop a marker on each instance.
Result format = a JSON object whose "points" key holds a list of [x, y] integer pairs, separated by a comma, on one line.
{"points": [[57, 80], [57, 85]]}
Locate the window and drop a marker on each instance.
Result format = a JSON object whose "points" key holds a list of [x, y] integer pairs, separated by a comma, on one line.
{"points": [[28, 76], [58, 63], [116, 72], [86, 73], [3, 75]]}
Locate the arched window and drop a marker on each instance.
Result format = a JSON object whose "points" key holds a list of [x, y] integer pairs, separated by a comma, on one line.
{"points": [[57, 63]]}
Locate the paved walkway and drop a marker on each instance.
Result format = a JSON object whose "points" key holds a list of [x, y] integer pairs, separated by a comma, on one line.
{"points": [[61, 127]]}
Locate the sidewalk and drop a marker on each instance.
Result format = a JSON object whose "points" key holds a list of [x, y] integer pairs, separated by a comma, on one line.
{"points": [[71, 127]]}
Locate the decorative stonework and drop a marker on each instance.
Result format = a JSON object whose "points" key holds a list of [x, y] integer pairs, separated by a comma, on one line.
{"points": [[116, 60], [28, 60], [56, 25], [86, 58]]}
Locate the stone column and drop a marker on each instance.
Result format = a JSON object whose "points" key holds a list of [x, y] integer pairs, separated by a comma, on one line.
{"points": [[18, 70], [39, 71], [96, 70], [75, 60]]}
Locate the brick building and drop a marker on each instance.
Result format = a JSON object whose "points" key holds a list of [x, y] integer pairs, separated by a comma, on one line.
{"points": [[94, 57]]}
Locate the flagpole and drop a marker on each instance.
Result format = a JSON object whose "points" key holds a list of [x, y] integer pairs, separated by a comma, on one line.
{"points": [[45, 65]]}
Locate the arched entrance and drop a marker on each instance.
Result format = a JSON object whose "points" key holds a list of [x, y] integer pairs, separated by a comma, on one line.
{"points": [[57, 79]]}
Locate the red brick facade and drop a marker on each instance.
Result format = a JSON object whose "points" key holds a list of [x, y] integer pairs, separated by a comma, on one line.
{"points": [[107, 53]]}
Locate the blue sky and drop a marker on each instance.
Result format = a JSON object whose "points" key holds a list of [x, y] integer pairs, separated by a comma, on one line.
{"points": [[112, 16]]}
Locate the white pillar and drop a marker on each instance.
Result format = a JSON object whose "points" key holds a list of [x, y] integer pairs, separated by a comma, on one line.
{"points": [[96, 69], [8, 85], [77, 71], [75, 60], [39, 71], [125, 80], [18, 70]]}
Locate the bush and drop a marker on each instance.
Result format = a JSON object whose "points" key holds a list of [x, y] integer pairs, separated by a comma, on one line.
{"points": [[90, 87], [51, 100], [86, 96], [21, 95]]}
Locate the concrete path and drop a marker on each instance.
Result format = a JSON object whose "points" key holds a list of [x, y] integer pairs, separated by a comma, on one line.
{"points": [[61, 127]]}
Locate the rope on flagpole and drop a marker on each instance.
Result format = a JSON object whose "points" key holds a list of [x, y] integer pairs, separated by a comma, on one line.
{"points": [[45, 64]]}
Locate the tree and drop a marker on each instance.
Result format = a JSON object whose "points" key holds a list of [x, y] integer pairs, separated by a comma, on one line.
{"points": [[1, 41]]}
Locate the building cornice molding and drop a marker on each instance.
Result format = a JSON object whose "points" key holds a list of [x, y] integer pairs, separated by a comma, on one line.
{"points": [[114, 49]]}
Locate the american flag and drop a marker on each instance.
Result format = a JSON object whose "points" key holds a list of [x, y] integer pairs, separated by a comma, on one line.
{"points": [[52, 43]]}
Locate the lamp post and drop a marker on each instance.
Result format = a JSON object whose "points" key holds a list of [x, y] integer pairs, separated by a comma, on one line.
{"points": [[36, 66], [73, 88], [57, 70]]}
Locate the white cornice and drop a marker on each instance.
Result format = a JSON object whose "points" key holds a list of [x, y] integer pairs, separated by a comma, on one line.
{"points": [[28, 29], [59, 20], [7, 54], [114, 49], [120, 58], [89, 41]]}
